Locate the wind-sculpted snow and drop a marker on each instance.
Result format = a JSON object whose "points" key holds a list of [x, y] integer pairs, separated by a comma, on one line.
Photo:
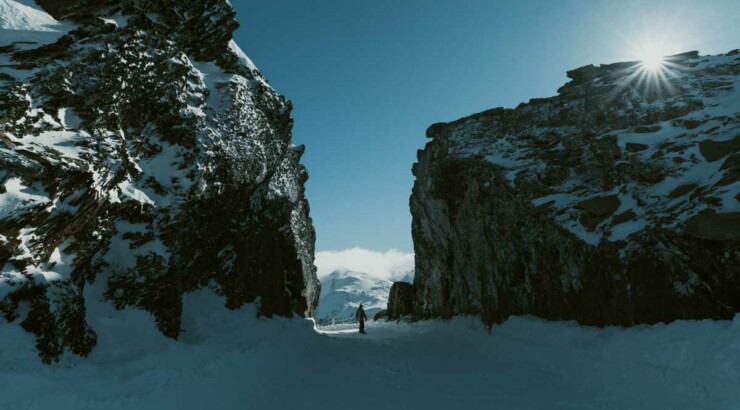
{"points": [[141, 146], [615, 202]]}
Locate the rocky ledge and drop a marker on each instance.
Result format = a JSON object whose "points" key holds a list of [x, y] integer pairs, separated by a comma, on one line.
{"points": [[615, 202], [143, 153]]}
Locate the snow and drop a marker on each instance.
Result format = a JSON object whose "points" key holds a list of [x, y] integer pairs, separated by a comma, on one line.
{"points": [[130, 191], [24, 21], [246, 61], [230, 359], [27, 26], [64, 142], [119, 20], [110, 21], [69, 118], [25, 15], [18, 196], [667, 132]]}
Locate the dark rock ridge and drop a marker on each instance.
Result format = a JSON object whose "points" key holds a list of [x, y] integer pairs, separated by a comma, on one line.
{"points": [[615, 202], [141, 151], [401, 300]]}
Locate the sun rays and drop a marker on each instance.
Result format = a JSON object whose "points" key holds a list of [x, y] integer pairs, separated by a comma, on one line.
{"points": [[654, 73], [651, 58], [651, 46]]}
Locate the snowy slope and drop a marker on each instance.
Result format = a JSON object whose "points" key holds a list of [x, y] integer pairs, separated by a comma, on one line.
{"points": [[23, 21], [25, 15], [342, 291], [230, 359]]}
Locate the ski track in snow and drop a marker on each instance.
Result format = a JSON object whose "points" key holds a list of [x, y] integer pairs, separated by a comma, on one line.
{"points": [[231, 360]]}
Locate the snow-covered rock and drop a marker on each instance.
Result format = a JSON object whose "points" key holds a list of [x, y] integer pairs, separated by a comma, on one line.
{"points": [[615, 202], [141, 148]]}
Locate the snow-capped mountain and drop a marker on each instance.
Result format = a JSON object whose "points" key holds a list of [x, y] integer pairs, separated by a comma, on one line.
{"points": [[142, 151], [615, 202], [342, 291]]}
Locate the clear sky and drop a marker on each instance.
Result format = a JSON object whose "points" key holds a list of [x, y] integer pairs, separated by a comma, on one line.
{"points": [[368, 77]]}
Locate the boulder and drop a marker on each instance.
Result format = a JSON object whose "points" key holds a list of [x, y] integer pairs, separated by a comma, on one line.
{"points": [[714, 226], [597, 210], [382, 314], [716, 150], [401, 300], [635, 147], [602, 206], [682, 190]]}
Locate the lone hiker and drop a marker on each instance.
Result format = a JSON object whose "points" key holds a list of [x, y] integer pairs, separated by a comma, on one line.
{"points": [[361, 317]]}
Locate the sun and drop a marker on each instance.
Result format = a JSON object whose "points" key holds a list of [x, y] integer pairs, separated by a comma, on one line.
{"points": [[652, 63], [652, 69], [652, 58]]}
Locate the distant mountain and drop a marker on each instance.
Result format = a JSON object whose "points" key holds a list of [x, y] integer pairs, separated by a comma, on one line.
{"points": [[343, 290]]}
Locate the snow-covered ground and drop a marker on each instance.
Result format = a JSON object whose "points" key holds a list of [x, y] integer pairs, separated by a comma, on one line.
{"points": [[231, 360]]}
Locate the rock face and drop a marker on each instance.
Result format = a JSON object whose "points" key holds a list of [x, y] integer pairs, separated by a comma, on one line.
{"points": [[401, 300], [141, 150], [615, 202]]}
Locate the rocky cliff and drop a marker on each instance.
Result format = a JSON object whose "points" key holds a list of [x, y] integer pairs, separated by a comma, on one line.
{"points": [[141, 149], [615, 202]]}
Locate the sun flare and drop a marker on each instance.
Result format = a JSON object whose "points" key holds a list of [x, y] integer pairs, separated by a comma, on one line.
{"points": [[652, 58], [652, 63], [654, 66]]}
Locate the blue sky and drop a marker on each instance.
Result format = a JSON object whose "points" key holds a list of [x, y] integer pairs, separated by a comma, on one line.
{"points": [[368, 77]]}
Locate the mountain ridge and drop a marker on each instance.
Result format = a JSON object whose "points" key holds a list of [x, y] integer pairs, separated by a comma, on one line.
{"points": [[612, 203]]}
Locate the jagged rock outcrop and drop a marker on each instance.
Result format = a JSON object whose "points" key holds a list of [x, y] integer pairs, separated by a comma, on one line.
{"points": [[141, 149], [401, 300], [615, 202]]}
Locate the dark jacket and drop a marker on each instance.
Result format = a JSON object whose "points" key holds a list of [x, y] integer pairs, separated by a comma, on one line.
{"points": [[361, 316]]}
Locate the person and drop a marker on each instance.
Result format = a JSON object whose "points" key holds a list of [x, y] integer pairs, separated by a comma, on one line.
{"points": [[361, 317]]}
